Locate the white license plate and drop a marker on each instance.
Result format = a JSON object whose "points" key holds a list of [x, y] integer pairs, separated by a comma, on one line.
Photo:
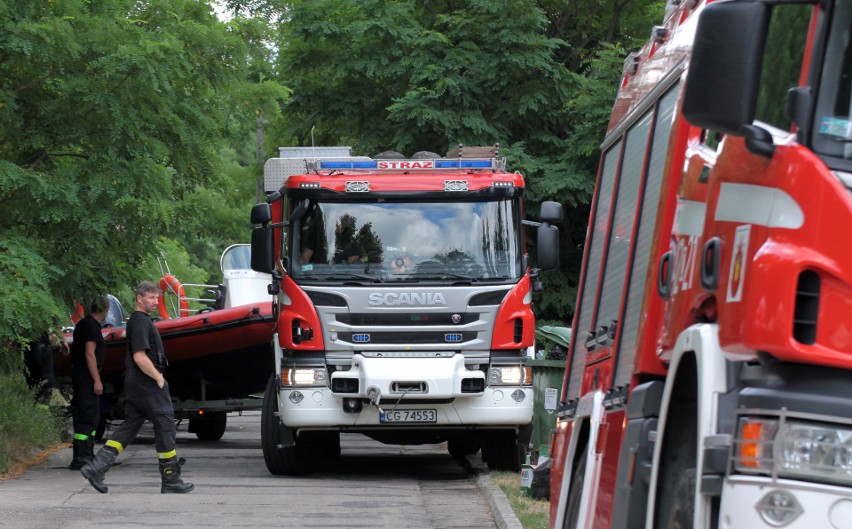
{"points": [[397, 416]]}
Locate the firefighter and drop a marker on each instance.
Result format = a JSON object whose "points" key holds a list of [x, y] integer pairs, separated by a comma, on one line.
{"points": [[87, 358], [146, 396]]}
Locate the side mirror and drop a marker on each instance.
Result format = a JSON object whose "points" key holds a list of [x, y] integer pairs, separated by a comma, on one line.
{"points": [[551, 212], [724, 72], [261, 213], [547, 247], [262, 253]]}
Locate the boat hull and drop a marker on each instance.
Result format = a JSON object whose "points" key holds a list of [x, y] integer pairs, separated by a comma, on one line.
{"points": [[212, 355]]}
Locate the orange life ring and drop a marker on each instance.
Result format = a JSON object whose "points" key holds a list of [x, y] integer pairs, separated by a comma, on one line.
{"points": [[169, 283], [79, 313]]}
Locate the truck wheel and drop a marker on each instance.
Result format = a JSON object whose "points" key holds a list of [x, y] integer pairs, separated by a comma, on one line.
{"points": [[459, 447], [676, 482], [210, 427], [501, 451], [572, 509], [683, 501], [295, 459]]}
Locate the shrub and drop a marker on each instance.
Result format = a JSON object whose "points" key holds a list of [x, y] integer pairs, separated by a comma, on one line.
{"points": [[24, 426]]}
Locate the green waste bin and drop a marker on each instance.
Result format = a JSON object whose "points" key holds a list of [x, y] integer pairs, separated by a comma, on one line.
{"points": [[547, 387]]}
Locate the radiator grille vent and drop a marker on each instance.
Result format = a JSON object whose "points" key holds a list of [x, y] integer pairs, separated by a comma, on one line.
{"points": [[807, 308]]}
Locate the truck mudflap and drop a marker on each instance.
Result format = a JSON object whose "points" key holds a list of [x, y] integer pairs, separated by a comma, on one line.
{"points": [[757, 502]]}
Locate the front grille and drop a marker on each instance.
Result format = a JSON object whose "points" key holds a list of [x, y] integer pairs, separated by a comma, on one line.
{"points": [[407, 337], [373, 320]]}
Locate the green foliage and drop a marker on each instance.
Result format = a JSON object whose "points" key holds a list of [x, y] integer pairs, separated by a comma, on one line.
{"points": [[415, 75], [24, 426], [539, 78], [115, 117]]}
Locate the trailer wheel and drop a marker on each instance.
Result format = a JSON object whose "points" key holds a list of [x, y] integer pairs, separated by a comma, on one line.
{"points": [[572, 509], [295, 459], [459, 447], [210, 427]]}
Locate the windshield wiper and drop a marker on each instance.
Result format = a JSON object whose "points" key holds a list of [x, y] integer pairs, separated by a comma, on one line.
{"points": [[443, 275], [342, 275]]}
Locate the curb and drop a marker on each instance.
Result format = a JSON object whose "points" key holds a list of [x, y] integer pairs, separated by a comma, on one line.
{"points": [[503, 514]]}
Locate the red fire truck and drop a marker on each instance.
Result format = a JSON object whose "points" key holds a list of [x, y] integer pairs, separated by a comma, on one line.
{"points": [[403, 300], [709, 383]]}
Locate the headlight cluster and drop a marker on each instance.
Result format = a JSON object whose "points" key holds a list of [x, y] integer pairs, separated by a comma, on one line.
{"points": [[794, 449], [510, 375], [303, 376]]}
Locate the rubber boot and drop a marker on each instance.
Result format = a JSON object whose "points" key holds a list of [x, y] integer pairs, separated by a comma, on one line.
{"points": [[95, 470], [84, 452], [90, 450], [78, 460], [170, 471]]}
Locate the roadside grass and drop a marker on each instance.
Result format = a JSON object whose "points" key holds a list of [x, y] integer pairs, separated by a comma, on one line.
{"points": [[25, 428], [533, 514]]}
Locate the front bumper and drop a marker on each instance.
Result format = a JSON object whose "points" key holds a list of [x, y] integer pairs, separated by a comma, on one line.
{"points": [[320, 408], [417, 381]]}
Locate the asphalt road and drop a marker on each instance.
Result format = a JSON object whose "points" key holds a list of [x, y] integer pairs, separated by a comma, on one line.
{"points": [[372, 485]]}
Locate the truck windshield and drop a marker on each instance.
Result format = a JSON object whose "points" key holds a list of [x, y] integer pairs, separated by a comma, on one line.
{"points": [[407, 241], [833, 125]]}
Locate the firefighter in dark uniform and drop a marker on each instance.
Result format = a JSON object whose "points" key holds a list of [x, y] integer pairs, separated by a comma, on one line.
{"points": [[146, 395], [87, 358]]}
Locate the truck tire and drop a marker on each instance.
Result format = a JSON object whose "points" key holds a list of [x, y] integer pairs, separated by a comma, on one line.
{"points": [[210, 427], [501, 450], [459, 447], [683, 501], [675, 506], [572, 508], [281, 460]]}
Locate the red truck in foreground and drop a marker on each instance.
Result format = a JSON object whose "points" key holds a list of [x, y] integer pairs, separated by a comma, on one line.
{"points": [[708, 383]]}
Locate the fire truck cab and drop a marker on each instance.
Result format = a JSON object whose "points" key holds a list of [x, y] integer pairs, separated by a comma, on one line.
{"points": [[403, 292]]}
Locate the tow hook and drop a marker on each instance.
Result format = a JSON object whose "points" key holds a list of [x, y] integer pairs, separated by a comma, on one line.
{"points": [[375, 396]]}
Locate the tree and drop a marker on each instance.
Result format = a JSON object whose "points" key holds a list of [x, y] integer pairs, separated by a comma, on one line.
{"points": [[537, 77], [113, 118]]}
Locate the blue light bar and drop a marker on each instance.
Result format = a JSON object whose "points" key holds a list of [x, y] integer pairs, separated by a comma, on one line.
{"points": [[325, 164], [458, 164], [462, 164]]}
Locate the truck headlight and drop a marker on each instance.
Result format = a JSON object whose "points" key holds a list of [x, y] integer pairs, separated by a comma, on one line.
{"points": [[510, 375], [811, 451], [303, 376], [814, 451]]}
